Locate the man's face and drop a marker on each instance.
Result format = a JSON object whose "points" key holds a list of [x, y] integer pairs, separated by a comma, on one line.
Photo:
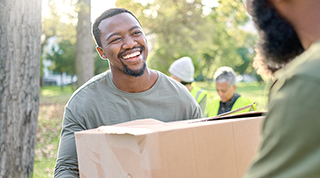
{"points": [[279, 43], [124, 44], [225, 91]]}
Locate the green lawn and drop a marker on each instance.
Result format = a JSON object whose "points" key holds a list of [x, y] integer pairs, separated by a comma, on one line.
{"points": [[53, 100]]}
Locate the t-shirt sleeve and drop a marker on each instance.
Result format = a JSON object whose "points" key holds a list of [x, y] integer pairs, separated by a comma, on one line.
{"points": [[67, 163], [290, 138], [197, 112]]}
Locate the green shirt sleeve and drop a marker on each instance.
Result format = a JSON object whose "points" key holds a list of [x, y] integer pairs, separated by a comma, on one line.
{"points": [[67, 163], [290, 138]]}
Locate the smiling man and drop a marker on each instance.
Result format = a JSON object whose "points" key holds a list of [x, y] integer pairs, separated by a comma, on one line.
{"points": [[128, 91]]}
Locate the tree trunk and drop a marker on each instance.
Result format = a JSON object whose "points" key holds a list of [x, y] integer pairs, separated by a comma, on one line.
{"points": [[84, 51], [61, 81], [20, 32], [72, 83]]}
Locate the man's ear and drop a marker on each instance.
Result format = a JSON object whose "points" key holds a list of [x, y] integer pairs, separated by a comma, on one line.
{"points": [[101, 53]]}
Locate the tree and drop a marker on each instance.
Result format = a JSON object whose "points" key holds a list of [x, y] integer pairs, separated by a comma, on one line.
{"points": [[63, 57], [176, 29], [84, 51], [230, 45], [20, 33], [183, 27], [61, 26]]}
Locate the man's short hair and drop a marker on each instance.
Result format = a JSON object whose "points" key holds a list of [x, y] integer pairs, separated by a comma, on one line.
{"points": [[106, 14], [225, 74]]}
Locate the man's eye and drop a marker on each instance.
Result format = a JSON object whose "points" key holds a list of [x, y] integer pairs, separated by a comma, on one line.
{"points": [[137, 33], [115, 40]]}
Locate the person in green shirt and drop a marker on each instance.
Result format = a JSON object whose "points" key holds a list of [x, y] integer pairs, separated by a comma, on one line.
{"points": [[228, 99], [182, 70], [126, 92], [289, 48]]}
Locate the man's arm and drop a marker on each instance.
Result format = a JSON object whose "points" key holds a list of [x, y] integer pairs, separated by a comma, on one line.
{"points": [[197, 112], [67, 162]]}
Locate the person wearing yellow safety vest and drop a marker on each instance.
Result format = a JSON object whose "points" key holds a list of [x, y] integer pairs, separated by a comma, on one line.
{"points": [[228, 100], [182, 70]]}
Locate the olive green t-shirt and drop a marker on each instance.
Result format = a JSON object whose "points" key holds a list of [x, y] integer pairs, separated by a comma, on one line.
{"points": [[290, 144], [99, 102]]}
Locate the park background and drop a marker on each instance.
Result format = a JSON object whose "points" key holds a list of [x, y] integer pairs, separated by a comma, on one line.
{"points": [[213, 33]]}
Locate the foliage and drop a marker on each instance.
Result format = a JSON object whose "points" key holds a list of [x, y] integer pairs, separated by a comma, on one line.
{"points": [[174, 29], [100, 64], [177, 28], [59, 37], [63, 57], [232, 46], [61, 25]]}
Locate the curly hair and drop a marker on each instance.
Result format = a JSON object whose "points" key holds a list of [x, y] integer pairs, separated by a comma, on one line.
{"points": [[279, 44]]}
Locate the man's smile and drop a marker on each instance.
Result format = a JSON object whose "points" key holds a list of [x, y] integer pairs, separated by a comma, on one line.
{"points": [[131, 55]]}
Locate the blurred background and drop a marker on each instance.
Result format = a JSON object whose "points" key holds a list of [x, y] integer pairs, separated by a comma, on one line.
{"points": [[213, 33]]}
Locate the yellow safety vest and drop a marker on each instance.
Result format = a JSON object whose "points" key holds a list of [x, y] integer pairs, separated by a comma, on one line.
{"points": [[214, 105], [201, 97], [198, 93]]}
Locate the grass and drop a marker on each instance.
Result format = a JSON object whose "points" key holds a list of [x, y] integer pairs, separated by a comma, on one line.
{"points": [[53, 100]]}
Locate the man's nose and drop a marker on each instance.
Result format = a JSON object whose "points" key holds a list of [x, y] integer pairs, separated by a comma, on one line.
{"points": [[221, 94], [129, 43]]}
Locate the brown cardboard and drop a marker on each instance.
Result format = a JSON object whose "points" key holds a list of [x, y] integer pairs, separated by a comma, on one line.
{"points": [[149, 148]]}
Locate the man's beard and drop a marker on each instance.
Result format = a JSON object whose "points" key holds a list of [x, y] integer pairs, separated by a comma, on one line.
{"points": [[279, 44], [134, 73]]}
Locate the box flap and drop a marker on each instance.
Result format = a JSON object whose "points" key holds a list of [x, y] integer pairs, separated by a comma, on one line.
{"points": [[141, 122], [124, 130], [146, 126], [136, 127], [234, 116]]}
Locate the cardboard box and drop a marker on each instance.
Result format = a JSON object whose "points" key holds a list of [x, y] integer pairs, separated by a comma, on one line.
{"points": [[148, 148]]}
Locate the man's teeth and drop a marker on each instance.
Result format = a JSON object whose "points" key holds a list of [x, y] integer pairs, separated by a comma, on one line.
{"points": [[131, 55]]}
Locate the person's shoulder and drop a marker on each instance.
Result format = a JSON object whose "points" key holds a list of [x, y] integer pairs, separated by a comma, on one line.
{"points": [[170, 85], [216, 98], [311, 64], [84, 91], [204, 91], [245, 99], [164, 79], [196, 87], [162, 76], [306, 66]]}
